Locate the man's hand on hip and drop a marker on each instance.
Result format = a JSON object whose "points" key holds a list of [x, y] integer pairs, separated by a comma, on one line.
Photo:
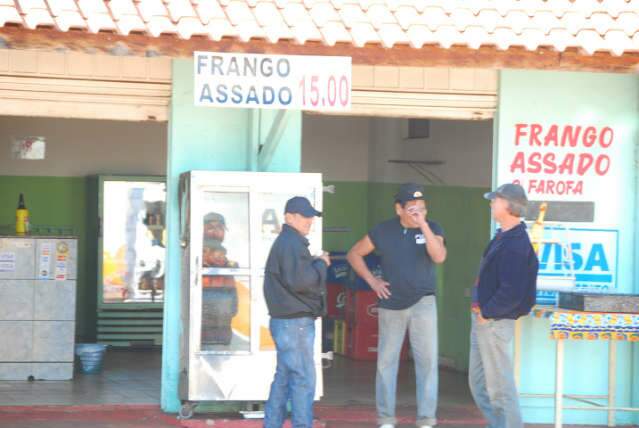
{"points": [[380, 287]]}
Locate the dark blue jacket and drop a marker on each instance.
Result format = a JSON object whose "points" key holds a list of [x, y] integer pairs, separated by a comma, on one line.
{"points": [[508, 275], [294, 281]]}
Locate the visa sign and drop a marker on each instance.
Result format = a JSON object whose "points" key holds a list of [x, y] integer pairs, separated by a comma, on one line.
{"points": [[591, 252]]}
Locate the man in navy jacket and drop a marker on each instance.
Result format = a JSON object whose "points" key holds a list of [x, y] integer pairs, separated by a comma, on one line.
{"points": [[504, 291]]}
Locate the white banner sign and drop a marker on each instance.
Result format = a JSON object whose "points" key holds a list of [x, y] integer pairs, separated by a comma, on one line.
{"points": [[320, 83], [560, 162], [575, 170]]}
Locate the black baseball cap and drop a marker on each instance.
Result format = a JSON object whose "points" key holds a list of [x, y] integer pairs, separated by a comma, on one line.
{"points": [[511, 192], [301, 205], [409, 192]]}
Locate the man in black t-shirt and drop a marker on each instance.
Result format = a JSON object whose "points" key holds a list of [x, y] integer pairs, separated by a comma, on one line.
{"points": [[410, 246]]}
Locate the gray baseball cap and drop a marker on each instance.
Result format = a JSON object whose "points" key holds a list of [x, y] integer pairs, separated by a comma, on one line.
{"points": [[511, 192], [214, 217]]}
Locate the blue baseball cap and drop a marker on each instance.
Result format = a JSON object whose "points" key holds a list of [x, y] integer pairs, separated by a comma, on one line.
{"points": [[301, 205], [409, 192]]}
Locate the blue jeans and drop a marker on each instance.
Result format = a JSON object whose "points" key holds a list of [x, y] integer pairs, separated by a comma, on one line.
{"points": [[295, 374], [491, 375], [421, 322]]}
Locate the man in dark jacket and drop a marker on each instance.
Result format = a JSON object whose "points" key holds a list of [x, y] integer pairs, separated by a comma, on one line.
{"points": [[295, 292], [504, 291]]}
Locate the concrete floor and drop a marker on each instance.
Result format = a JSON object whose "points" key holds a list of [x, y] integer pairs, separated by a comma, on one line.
{"points": [[127, 395], [128, 377], [133, 377]]}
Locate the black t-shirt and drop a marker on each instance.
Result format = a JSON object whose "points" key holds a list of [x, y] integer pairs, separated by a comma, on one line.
{"points": [[406, 265]]}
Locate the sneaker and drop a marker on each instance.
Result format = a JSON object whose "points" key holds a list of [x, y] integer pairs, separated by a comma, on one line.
{"points": [[387, 426], [425, 426]]}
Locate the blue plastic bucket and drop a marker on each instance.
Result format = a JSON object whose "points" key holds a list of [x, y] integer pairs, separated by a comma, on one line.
{"points": [[91, 356]]}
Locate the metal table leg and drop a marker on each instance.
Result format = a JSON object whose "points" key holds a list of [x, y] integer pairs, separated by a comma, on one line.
{"points": [[612, 381], [559, 381], [517, 353]]}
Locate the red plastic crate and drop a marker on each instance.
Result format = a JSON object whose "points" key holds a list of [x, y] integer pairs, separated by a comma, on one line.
{"points": [[335, 300], [361, 308], [361, 342]]}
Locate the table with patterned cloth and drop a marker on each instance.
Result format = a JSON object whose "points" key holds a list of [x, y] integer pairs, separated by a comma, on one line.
{"points": [[576, 325], [568, 324]]}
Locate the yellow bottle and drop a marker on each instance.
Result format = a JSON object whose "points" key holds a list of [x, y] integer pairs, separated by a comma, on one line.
{"points": [[537, 230], [22, 217]]}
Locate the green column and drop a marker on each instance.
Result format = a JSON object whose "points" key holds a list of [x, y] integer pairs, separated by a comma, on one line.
{"points": [[215, 140]]}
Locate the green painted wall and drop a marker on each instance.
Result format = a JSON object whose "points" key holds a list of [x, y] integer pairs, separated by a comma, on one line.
{"points": [[346, 208], [64, 201], [61, 201], [465, 217]]}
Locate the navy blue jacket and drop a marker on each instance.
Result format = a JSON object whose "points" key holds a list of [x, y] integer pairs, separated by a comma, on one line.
{"points": [[507, 282], [294, 281]]}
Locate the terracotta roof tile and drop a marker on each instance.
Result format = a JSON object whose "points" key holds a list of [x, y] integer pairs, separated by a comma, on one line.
{"points": [[462, 18], [380, 15], [38, 18], [220, 27], [9, 15], [149, 9], [406, 16], [248, 30], [180, 9], [420, 35], [120, 8], [208, 10], [189, 26], [268, 15], [629, 22], [475, 36], [435, 18], [161, 25], [574, 21], [296, 14], [239, 13], [352, 15], [60, 7], [392, 34], [532, 38], [306, 32], [335, 32], [364, 33], [618, 42], [590, 41], [561, 39], [590, 25], [448, 36], [130, 23], [278, 32], [324, 13], [545, 21], [68, 20], [489, 19], [517, 20]]}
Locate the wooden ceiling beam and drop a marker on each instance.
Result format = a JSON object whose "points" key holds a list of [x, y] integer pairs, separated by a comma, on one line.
{"points": [[401, 55]]}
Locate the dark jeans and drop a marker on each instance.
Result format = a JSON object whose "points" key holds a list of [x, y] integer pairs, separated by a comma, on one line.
{"points": [[295, 374]]}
